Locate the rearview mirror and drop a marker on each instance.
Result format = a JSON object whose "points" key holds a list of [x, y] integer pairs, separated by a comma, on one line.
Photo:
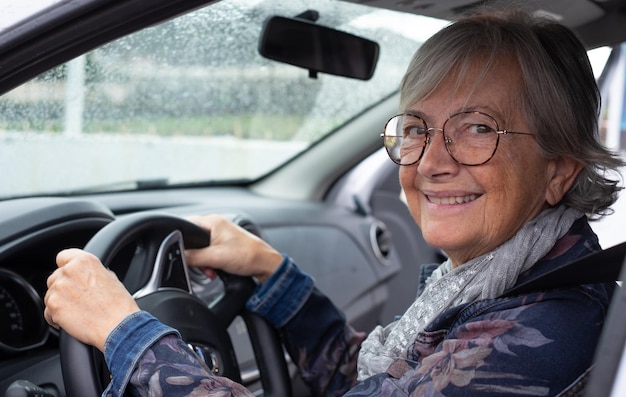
{"points": [[318, 48]]}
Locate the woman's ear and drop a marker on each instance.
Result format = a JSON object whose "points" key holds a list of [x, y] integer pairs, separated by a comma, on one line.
{"points": [[565, 171]]}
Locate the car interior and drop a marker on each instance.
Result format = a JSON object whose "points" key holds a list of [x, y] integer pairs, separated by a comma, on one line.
{"points": [[266, 113]]}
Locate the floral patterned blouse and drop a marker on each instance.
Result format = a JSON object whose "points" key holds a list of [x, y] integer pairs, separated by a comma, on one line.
{"points": [[535, 344]]}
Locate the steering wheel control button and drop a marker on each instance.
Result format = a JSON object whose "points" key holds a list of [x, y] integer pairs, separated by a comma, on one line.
{"points": [[209, 356]]}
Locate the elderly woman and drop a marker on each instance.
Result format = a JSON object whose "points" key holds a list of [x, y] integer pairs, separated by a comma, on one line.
{"points": [[500, 162]]}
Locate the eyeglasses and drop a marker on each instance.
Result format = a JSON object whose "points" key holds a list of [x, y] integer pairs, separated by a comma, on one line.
{"points": [[471, 138]]}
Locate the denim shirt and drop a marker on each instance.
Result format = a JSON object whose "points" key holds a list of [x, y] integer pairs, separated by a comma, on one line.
{"points": [[539, 343], [127, 344]]}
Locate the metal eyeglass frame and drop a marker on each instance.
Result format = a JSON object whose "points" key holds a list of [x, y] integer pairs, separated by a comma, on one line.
{"points": [[447, 140]]}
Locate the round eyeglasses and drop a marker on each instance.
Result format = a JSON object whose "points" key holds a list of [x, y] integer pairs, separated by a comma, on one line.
{"points": [[471, 137]]}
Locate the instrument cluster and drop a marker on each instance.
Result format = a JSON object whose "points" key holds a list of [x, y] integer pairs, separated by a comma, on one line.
{"points": [[22, 325]]}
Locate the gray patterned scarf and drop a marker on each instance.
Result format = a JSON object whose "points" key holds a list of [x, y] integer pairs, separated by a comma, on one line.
{"points": [[484, 277]]}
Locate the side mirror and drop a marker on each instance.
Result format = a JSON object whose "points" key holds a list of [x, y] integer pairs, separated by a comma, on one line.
{"points": [[318, 48]]}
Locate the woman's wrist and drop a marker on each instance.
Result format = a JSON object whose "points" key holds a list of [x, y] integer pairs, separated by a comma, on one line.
{"points": [[103, 330], [282, 296], [272, 260]]}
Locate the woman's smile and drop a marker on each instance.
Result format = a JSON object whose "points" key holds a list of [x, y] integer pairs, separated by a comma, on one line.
{"points": [[451, 200]]}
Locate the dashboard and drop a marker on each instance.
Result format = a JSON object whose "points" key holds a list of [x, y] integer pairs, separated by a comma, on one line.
{"points": [[34, 230]]}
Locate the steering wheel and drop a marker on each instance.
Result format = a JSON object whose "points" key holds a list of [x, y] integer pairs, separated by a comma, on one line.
{"points": [[158, 279]]}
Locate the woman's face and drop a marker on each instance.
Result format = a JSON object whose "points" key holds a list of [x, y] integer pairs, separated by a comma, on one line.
{"points": [[470, 210]]}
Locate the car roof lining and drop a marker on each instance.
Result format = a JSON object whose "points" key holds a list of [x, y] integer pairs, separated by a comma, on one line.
{"points": [[569, 12], [597, 23]]}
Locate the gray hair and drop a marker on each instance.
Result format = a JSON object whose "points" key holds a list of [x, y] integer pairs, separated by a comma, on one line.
{"points": [[559, 97]]}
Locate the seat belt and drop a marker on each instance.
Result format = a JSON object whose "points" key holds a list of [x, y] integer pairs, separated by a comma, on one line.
{"points": [[598, 267]]}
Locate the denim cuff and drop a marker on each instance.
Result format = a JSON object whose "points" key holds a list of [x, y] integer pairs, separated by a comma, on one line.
{"points": [[282, 295], [127, 343]]}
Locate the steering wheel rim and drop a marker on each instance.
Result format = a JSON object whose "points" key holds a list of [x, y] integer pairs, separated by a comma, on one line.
{"points": [[156, 229]]}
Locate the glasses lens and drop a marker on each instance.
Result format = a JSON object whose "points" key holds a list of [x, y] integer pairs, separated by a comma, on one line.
{"points": [[472, 137], [405, 138]]}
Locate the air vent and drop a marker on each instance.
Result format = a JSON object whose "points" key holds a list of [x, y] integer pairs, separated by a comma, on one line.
{"points": [[248, 225], [380, 238]]}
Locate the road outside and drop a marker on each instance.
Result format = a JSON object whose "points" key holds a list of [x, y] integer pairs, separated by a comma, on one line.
{"points": [[114, 161]]}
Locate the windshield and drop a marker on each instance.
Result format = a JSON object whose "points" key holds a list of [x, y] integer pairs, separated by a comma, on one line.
{"points": [[191, 100]]}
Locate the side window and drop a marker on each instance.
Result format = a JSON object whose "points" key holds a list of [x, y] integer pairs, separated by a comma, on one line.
{"points": [[612, 84]]}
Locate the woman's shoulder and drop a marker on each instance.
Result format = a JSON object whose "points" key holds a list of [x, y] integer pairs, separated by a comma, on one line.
{"points": [[560, 306], [540, 339], [578, 242]]}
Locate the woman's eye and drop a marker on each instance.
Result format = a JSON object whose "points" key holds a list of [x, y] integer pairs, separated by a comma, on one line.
{"points": [[414, 131], [479, 129]]}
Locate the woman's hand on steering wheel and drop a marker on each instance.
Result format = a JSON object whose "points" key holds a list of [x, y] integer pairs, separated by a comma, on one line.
{"points": [[86, 299], [233, 250]]}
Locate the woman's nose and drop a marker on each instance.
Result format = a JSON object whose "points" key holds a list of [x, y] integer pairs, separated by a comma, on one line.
{"points": [[436, 159]]}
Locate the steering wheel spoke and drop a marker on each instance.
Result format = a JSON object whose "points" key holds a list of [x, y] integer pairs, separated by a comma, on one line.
{"points": [[169, 270]]}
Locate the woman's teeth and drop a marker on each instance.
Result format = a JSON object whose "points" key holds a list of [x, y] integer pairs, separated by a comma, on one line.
{"points": [[453, 199]]}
